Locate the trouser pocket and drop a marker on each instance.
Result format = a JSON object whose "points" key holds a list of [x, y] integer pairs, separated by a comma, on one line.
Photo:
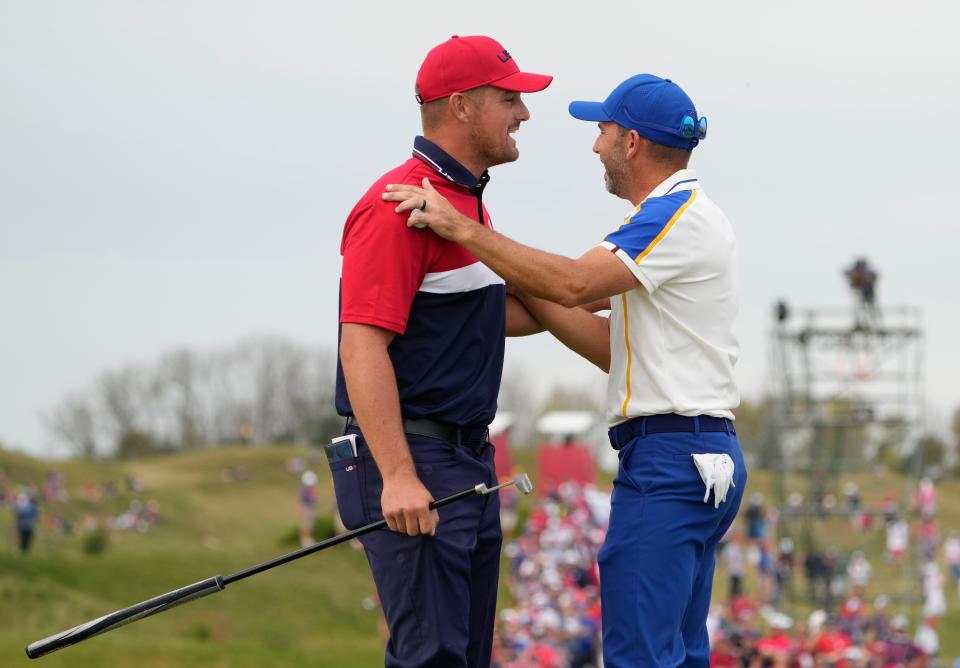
{"points": [[349, 486], [717, 471]]}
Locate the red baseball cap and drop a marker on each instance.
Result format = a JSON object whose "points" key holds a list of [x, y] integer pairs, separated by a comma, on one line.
{"points": [[462, 63]]}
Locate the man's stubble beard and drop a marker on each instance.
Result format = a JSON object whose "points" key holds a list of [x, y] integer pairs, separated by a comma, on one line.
{"points": [[492, 151], [615, 174]]}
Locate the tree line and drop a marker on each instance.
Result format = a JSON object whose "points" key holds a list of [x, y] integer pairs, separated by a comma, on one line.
{"points": [[274, 390], [255, 391]]}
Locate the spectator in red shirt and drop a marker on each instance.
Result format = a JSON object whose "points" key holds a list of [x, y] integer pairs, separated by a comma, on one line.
{"points": [[723, 654], [831, 643], [775, 648]]}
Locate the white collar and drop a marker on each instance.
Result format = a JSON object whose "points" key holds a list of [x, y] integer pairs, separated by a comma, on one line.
{"points": [[684, 179]]}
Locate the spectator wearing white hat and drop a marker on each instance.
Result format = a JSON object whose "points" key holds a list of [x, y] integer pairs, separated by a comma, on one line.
{"points": [[934, 599], [858, 571], [898, 539], [308, 506], [926, 638], [25, 508]]}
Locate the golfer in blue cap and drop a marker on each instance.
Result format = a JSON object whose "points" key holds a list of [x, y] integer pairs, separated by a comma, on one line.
{"points": [[669, 272]]}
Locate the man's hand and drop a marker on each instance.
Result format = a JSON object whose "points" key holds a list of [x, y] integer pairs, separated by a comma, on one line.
{"points": [[406, 505], [428, 208]]}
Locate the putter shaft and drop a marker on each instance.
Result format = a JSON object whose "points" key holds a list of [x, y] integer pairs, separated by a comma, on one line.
{"points": [[217, 583]]}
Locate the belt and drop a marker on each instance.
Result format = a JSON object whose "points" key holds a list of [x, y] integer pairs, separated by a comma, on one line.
{"points": [[666, 424], [475, 436]]}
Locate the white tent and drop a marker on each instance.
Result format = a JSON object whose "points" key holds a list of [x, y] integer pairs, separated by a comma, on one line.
{"points": [[503, 421], [560, 425]]}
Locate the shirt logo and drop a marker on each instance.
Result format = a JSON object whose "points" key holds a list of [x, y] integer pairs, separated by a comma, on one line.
{"points": [[504, 57]]}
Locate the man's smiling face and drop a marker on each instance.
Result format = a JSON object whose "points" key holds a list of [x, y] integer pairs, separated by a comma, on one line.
{"points": [[500, 113]]}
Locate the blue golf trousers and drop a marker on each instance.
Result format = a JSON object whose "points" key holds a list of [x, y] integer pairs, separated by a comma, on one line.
{"points": [[439, 593], [657, 563]]}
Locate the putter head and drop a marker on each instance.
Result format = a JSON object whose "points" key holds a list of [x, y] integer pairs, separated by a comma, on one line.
{"points": [[523, 484]]}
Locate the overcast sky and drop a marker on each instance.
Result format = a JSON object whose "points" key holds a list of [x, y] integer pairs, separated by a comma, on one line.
{"points": [[177, 173]]}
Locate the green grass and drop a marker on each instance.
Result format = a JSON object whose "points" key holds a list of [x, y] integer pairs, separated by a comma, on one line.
{"points": [[307, 613], [304, 614]]}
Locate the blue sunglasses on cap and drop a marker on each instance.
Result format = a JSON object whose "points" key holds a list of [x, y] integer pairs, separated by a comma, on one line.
{"points": [[690, 128]]}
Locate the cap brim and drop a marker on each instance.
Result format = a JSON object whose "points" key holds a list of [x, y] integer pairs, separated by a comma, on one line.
{"points": [[589, 111], [523, 82]]}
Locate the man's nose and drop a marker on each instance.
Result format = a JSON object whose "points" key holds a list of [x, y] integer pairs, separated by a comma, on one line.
{"points": [[523, 114]]}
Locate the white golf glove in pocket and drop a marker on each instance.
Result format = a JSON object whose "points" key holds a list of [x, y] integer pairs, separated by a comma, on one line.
{"points": [[716, 471]]}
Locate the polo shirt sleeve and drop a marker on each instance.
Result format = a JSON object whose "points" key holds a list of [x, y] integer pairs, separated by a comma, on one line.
{"points": [[384, 263], [650, 243]]}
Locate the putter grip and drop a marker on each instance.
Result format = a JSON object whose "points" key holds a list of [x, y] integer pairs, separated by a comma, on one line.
{"points": [[111, 621]]}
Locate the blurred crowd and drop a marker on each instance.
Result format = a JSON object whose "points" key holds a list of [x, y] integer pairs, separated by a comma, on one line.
{"points": [[846, 628], [46, 507], [554, 618], [554, 621], [743, 635]]}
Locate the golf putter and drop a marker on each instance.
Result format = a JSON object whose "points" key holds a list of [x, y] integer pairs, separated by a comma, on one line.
{"points": [[217, 583]]}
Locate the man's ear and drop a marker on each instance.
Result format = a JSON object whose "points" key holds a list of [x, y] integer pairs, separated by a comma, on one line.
{"points": [[633, 145], [459, 107]]}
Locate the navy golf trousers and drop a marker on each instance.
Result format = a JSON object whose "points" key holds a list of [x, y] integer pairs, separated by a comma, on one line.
{"points": [[657, 562], [439, 593]]}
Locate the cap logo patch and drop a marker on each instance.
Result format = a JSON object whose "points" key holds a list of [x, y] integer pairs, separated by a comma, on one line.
{"points": [[504, 57]]}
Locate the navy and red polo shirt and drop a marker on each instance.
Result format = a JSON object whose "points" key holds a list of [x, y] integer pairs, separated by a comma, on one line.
{"points": [[448, 310]]}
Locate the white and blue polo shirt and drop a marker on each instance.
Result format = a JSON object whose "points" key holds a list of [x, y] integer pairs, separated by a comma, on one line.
{"points": [[448, 309], [672, 344]]}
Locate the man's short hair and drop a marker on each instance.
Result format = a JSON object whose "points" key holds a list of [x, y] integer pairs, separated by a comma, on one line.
{"points": [[678, 158], [668, 155], [433, 113]]}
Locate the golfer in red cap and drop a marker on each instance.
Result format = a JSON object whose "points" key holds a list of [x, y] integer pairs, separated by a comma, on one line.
{"points": [[422, 325]]}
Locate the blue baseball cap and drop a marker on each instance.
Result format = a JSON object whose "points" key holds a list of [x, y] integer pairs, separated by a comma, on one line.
{"points": [[656, 108]]}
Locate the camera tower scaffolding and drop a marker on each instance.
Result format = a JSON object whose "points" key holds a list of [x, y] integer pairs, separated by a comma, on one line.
{"points": [[848, 389]]}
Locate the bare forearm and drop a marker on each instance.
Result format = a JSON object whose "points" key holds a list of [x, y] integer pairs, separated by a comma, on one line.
{"points": [[584, 333], [519, 320], [597, 305], [372, 386], [553, 277]]}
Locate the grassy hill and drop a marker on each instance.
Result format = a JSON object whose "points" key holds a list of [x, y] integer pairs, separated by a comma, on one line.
{"points": [[304, 614], [307, 613]]}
